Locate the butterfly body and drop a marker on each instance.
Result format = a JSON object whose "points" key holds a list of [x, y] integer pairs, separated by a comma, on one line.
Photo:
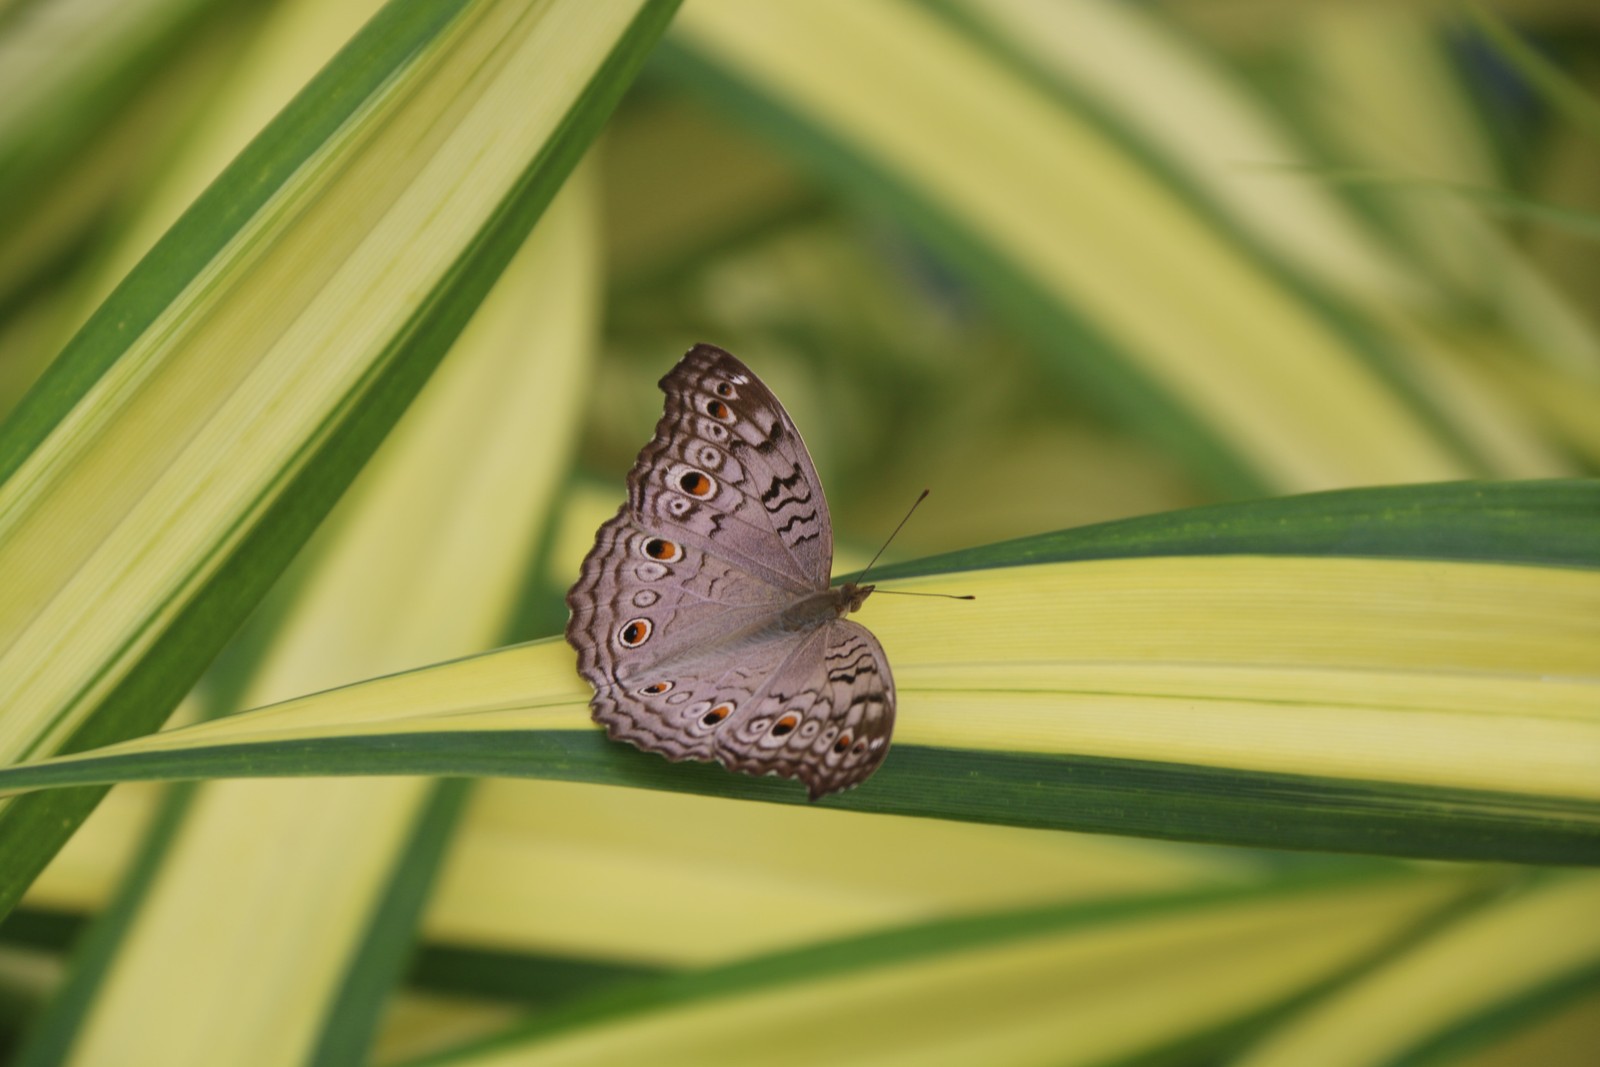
{"points": [[821, 608], [703, 617]]}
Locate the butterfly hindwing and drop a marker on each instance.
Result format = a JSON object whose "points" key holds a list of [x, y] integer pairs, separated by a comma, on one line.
{"points": [[825, 716]]}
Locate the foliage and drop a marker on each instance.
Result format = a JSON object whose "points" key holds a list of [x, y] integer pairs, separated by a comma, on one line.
{"points": [[1249, 353]]}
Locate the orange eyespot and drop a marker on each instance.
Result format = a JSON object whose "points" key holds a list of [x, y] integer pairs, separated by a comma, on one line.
{"points": [[635, 633], [655, 689], [786, 724], [662, 549], [696, 483], [717, 714], [718, 410], [843, 742], [726, 391]]}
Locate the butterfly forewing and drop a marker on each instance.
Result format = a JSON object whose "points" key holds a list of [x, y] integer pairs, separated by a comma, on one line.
{"points": [[681, 599], [728, 472], [679, 709], [702, 616]]}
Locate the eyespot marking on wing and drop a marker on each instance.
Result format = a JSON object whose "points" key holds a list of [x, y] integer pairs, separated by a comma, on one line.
{"points": [[697, 483], [659, 548], [635, 632]]}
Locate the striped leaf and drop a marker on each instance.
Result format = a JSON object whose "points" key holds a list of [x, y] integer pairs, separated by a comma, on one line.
{"points": [[1428, 691], [1096, 983], [1083, 228], [151, 489]]}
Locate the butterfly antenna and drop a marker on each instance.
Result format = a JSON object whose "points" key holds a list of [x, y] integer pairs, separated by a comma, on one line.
{"points": [[862, 577]]}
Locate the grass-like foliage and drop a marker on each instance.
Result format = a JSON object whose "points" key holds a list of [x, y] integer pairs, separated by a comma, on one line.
{"points": [[328, 332]]}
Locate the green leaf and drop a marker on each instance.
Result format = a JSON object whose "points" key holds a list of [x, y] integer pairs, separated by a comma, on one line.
{"points": [[1390, 97], [354, 1011], [1558, 89], [1546, 948], [50, 1037], [71, 71], [152, 491], [420, 560], [1405, 705], [1492, 201], [1172, 322], [1554, 523], [1094, 983]]}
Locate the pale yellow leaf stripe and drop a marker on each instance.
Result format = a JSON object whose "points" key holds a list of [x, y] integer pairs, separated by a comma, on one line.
{"points": [[555, 867], [1478, 676]]}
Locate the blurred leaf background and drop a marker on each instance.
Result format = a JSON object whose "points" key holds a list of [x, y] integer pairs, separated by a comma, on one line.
{"points": [[1063, 263]]}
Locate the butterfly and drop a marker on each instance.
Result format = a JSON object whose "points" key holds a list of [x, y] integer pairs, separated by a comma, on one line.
{"points": [[703, 617]]}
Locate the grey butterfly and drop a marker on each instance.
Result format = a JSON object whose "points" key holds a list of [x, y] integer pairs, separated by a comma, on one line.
{"points": [[703, 616]]}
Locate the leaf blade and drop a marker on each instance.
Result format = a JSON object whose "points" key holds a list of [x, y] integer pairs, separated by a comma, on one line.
{"points": [[236, 465], [1391, 705]]}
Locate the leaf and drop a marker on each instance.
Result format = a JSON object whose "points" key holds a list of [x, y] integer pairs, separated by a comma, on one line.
{"points": [[1094, 983], [1393, 704], [420, 559], [71, 71], [1390, 97], [1493, 201], [1085, 247], [554, 868], [152, 491], [1546, 950], [1560, 92]]}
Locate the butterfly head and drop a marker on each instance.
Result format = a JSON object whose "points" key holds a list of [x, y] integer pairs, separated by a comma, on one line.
{"points": [[851, 596]]}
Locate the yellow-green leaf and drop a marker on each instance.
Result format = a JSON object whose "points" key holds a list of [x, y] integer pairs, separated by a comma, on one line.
{"points": [[1217, 690], [178, 453]]}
